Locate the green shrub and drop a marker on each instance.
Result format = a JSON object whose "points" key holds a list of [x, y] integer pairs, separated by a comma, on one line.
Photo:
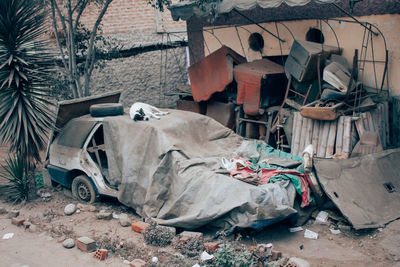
{"points": [[228, 256], [15, 176]]}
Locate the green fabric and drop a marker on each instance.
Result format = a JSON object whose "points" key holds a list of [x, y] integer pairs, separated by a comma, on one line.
{"points": [[265, 151]]}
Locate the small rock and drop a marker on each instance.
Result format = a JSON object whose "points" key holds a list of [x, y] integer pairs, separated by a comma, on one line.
{"points": [[3, 210], [138, 263], [298, 262], [61, 239], [68, 243], [211, 247], [103, 215], [187, 235], [26, 224], [70, 209], [154, 259], [32, 228], [13, 214], [124, 220], [92, 208], [78, 211]]}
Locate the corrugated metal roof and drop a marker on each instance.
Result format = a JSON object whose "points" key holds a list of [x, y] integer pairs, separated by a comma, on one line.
{"points": [[187, 9]]}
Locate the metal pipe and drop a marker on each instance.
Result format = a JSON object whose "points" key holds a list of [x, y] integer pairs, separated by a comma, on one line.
{"points": [[351, 16], [259, 25]]}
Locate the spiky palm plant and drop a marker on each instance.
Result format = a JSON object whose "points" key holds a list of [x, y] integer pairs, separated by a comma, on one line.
{"points": [[25, 64]]}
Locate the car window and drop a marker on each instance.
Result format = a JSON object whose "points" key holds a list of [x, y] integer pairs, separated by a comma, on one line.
{"points": [[75, 132]]}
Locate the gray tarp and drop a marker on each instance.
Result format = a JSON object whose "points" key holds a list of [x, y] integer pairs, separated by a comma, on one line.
{"points": [[365, 189], [167, 170]]}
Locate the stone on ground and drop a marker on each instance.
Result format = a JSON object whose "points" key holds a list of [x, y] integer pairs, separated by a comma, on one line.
{"points": [[70, 209]]}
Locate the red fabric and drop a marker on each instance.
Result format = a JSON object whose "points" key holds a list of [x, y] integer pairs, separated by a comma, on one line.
{"points": [[213, 73], [266, 174]]}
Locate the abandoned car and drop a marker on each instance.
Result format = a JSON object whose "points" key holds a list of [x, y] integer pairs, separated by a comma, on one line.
{"points": [[177, 170]]}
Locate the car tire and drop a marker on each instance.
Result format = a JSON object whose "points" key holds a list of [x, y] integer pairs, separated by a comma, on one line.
{"points": [[83, 189], [106, 109]]}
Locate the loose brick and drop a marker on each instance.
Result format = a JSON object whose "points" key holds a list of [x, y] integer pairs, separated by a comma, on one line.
{"points": [[139, 226], [186, 236], [138, 263], [101, 254], [13, 214], [17, 221], [3, 210], [26, 224], [276, 255], [211, 247], [86, 244]]}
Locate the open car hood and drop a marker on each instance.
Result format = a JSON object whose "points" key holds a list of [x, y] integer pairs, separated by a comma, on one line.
{"points": [[69, 109]]}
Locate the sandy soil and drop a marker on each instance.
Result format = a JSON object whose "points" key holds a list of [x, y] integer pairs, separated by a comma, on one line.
{"points": [[372, 248]]}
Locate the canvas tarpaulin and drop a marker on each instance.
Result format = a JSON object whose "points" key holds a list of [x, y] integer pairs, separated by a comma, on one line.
{"points": [[167, 169]]}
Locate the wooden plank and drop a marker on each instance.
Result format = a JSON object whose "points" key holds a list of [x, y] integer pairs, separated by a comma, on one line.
{"points": [[371, 125], [298, 123], [315, 135], [323, 142], [330, 148], [339, 135], [294, 131], [365, 121], [386, 122], [309, 132], [347, 136], [360, 126], [396, 122], [303, 136]]}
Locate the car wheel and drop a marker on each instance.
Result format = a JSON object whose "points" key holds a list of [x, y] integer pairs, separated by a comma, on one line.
{"points": [[106, 109], [83, 190]]}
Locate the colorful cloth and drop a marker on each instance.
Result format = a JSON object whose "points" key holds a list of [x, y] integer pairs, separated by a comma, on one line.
{"points": [[258, 173]]}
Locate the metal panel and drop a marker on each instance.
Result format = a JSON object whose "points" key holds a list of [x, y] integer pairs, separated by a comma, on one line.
{"points": [[365, 189]]}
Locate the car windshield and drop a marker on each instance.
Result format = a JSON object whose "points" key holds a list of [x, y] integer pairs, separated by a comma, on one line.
{"points": [[75, 132]]}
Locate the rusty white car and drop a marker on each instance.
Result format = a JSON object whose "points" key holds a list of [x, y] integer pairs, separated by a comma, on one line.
{"points": [[76, 157]]}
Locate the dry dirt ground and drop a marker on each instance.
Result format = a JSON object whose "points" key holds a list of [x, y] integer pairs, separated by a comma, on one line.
{"points": [[379, 247]]}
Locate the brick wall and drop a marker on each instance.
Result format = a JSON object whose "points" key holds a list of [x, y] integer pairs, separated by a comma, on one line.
{"points": [[129, 15], [134, 22]]}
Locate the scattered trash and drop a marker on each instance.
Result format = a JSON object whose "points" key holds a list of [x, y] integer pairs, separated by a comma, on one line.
{"points": [[322, 218], [154, 259], [103, 215], [124, 220], [115, 216], [295, 229], [310, 234], [205, 256], [335, 231], [8, 236]]}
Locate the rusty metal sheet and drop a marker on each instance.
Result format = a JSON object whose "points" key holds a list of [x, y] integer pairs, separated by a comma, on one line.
{"points": [[213, 73], [249, 77], [365, 189], [69, 109]]}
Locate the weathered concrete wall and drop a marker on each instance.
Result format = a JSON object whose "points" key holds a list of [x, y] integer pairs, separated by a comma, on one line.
{"points": [[350, 37], [139, 77]]}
